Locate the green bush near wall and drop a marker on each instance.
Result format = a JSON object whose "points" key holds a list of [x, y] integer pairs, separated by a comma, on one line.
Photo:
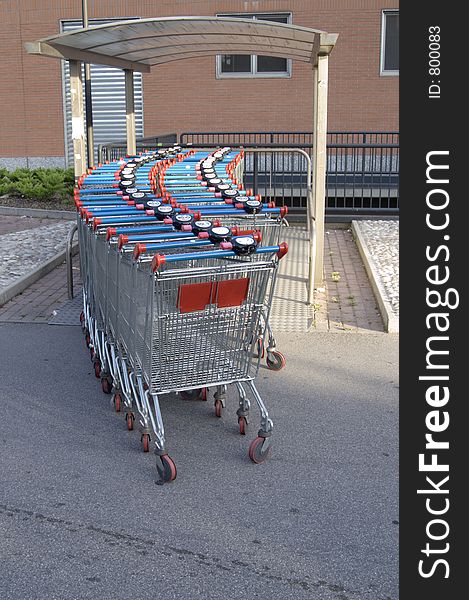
{"points": [[38, 184]]}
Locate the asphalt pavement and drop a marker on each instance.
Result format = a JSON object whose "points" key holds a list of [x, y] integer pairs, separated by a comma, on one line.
{"points": [[82, 518]]}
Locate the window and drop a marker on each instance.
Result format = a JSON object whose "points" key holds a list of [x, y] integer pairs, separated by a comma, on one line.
{"points": [[240, 65], [390, 42]]}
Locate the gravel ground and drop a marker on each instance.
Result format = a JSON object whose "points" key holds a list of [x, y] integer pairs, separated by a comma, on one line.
{"points": [[382, 240], [22, 251]]}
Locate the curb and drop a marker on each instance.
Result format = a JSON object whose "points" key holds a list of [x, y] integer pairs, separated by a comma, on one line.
{"points": [[390, 320], [28, 279], [13, 211]]}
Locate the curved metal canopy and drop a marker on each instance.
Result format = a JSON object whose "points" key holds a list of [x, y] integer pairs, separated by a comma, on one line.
{"points": [[141, 44]]}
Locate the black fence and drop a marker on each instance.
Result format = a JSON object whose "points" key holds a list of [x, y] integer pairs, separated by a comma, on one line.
{"points": [[114, 150], [362, 167]]}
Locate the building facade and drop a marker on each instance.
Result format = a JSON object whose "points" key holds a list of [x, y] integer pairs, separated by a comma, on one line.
{"points": [[226, 93]]}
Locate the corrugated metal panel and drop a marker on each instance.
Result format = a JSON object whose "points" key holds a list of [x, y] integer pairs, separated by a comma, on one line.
{"points": [[108, 95]]}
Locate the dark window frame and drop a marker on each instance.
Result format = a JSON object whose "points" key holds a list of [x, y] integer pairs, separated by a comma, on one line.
{"points": [[254, 73], [382, 69]]}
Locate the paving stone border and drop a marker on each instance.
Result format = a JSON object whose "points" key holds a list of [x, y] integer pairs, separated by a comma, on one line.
{"points": [[379, 269], [29, 254], [40, 213], [20, 284]]}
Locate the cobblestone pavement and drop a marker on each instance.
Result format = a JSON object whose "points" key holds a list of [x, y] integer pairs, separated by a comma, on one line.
{"points": [[382, 241], [21, 250], [345, 304], [289, 309], [38, 302]]}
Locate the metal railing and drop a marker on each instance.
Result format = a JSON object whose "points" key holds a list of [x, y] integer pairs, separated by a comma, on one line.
{"points": [[114, 150], [362, 168], [287, 138]]}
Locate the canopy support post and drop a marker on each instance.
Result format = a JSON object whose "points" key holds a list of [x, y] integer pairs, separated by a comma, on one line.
{"points": [[320, 161], [88, 98], [130, 112], [311, 213], [78, 122]]}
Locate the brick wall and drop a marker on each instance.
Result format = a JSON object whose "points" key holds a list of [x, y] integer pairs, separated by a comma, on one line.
{"points": [[177, 97]]}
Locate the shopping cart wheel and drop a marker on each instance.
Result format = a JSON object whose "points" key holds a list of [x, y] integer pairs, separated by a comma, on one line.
{"points": [[97, 368], [166, 468], [82, 317], [218, 408], [117, 402], [275, 360], [106, 385], [259, 450], [87, 339], [242, 425], [145, 442], [203, 394], [130, 418]]}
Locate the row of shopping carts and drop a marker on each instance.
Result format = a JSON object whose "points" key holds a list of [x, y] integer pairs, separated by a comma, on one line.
{"points": [[179, 265]]}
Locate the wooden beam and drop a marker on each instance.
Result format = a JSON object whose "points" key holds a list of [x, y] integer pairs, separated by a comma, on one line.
{"points": [[130, 112], [320, 162], [327, 42], [312, 233], [78, 122], [69, 53]]}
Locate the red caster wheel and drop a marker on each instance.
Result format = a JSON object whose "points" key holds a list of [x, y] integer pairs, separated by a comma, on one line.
{"points": [[117, 402], [129, 417], [88, 339], [82, 317], [242, 425], [258, 452], [203, 394], [106, 385], [97, 369], [166, 469], [145, 442], [275, 360], [218, 408]]}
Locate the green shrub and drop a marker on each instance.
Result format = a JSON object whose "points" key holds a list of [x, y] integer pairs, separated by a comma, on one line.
{"points": [[38, 184]]}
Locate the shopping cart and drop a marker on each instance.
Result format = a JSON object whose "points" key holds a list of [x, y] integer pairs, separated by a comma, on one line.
{"points": [[219, 175], [194, 323], [147, 302]]}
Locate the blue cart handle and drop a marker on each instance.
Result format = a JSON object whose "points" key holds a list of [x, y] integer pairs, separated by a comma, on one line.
{"points": [[115, 231], [161, 259], [122, 220], [154, 238], [175, 244], [201, 211]]}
